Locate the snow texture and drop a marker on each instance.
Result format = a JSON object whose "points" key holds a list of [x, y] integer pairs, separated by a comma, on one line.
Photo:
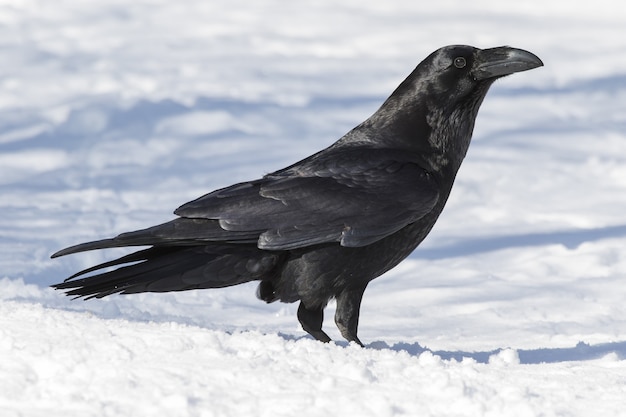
{"points": [[113, 113]]}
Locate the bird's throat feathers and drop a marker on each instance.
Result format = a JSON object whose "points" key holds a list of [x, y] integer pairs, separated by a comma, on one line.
{"points": [[439, 130], [450, 137], [452, 126]]}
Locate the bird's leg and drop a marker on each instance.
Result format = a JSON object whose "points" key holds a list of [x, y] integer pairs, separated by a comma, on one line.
{"points": [[347, 313], [311, 321]]}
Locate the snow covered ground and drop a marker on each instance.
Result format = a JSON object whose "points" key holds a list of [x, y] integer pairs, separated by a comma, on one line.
{"points": [[113, 113]]}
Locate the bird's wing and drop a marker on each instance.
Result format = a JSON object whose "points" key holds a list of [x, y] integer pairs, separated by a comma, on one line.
{"points": [[354, 197]]}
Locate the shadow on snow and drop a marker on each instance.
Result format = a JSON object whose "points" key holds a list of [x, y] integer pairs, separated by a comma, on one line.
{"points": [[571, 239], [581, 352]]}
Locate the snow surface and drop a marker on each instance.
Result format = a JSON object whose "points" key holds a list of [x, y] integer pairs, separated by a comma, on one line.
{"points": [[113, 113]]}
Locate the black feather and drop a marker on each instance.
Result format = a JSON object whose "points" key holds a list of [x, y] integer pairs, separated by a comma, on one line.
{"points": [[325, 226]]}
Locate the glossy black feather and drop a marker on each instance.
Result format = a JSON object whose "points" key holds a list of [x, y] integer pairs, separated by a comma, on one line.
{"points": [[325, 226], [358, 197]]}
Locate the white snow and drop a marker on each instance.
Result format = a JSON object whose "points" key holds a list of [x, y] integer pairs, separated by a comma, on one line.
{"points": [[113, 113]]}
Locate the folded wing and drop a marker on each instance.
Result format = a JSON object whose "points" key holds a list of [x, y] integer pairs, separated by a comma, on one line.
{"points": [[355, 198]]}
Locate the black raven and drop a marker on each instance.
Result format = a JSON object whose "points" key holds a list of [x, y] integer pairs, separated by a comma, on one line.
{"points": [[326, 226]]}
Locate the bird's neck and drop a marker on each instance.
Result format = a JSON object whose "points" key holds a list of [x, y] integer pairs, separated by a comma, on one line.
{"points": [[450, 137], [440, 138]]}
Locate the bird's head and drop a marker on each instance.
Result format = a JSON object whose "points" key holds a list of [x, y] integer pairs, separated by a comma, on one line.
{"points": [[458, 70], [434, 109]]}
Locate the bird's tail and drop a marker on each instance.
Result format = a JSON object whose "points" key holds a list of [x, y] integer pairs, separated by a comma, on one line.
{"points": [[175, 268]]}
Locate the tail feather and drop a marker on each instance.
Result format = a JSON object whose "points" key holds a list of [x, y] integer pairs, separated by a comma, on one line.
{"points": [[83, 247], [145, 266], [175, 268], [178, 232], [138, 256]]}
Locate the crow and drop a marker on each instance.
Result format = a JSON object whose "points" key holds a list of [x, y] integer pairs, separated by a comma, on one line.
{"points": [[326, 226]]}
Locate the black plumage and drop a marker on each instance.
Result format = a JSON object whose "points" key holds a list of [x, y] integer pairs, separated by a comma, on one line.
{"points": [[326, 226]]}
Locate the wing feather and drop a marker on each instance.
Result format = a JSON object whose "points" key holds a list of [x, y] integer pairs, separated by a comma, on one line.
{"points": [[356, 198]]}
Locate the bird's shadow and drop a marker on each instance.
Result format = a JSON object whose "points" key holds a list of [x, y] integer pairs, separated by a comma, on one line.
{"points": [[581, 352]]}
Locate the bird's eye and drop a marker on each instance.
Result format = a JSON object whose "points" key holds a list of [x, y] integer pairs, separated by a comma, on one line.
{"points": [[460, 62]]}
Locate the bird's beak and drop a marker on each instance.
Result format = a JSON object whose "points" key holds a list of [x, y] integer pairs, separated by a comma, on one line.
{"points": [[501, 61]]}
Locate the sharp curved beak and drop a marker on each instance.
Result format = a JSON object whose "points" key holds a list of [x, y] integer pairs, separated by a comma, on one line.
{"points": [[501, 61]]}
